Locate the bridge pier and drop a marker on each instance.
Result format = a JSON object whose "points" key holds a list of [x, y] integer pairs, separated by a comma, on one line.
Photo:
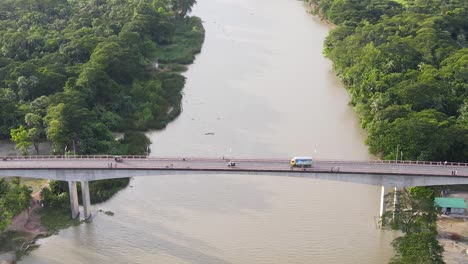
{"points": [[86, 199], [383, 206], [395, 200], [75, 211]]}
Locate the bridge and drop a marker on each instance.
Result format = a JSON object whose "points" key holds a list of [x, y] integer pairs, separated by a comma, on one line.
{"points": [[396, 174]]}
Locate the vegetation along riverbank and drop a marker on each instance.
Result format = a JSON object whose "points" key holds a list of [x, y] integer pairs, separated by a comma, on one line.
{"points": [[72, 72], [405, 64]]}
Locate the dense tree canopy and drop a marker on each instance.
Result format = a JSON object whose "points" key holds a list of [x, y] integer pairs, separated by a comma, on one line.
{"points": [[72, 71], [406, 66], [415, 215], [14, 198]]}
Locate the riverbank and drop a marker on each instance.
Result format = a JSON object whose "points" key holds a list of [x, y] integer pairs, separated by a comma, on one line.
{"points": [[29, 226], [180, 50], [385, 79], [33, 223], [453, 236], [23, 231], [453, 233], [315, 10]]}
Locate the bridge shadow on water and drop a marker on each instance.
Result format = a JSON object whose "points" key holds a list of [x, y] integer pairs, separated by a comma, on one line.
{"points": [[154, 209], [205, 194]]}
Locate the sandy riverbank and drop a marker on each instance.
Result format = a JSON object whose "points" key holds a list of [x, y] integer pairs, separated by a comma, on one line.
{"points": [[454, 238], [453, 234]]}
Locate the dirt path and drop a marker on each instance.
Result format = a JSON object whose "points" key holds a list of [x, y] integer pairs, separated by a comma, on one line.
{"points": [[27, 226]]}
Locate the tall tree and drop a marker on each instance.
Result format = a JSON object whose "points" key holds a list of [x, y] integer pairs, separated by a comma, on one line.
{"points": [[183, 7], [22, 139], [8, 111], [14, 198], [415, 215]]}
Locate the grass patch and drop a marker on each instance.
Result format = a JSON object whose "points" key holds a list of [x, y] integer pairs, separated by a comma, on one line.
{"points": [[54, 219], [35, 184]]}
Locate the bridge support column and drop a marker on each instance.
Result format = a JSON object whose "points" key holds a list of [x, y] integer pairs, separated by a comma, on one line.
{"points": [[86, 199], [395, 200], [383, 206], [75, 211]]}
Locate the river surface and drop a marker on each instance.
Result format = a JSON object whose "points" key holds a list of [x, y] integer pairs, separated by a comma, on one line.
{"points": [[260, 88]]}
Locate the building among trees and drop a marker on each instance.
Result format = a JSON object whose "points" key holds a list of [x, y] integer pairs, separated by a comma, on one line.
{"points": [[455, 206]]}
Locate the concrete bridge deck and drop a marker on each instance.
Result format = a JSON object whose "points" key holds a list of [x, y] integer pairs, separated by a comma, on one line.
{"points": [[89, 168], [242, 165]]}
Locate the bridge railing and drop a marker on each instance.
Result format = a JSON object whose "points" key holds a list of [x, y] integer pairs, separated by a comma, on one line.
{"points": [[55, 157], [58, 157], [261, 160], [410, 162], [406, 162]]}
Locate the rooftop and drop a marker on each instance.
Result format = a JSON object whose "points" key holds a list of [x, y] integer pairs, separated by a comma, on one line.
{"points": [[450, 202]]}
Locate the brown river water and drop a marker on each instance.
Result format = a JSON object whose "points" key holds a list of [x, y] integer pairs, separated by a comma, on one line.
{"points": [[260, 88]]}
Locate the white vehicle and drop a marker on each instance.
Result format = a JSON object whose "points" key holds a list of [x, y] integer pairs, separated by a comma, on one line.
{"points": [[231, 164], [302, 162]]}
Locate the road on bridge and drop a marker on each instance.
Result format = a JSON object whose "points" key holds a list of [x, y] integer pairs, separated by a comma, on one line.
{"points": [[242, 164]]}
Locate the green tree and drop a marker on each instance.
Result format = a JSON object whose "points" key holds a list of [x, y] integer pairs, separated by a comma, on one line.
{"points": [[55, 200], [136, 143], [404, 65], [25, 86], [34, 120], [9, 112], [5, 219], [182, 7], [72, 71], [415, 215], [415, 211], [420, 247], [22, 139], [14, 198], [464, 113], [57, 131]]}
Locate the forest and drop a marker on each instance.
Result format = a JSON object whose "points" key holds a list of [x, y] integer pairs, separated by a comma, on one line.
{"points": [[14, 198], [73, 71], [405, 64]]}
